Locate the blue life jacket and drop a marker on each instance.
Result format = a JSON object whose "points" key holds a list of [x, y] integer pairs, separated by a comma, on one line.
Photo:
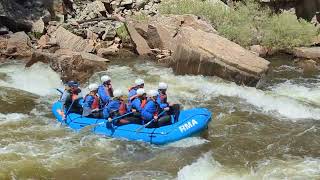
{"points": [[162, 100], [136, 104], [132, 92], [150, 110], [103, 94], [90, 102], [111, 108]]}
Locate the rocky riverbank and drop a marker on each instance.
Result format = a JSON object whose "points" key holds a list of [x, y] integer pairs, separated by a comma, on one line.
{"points": [[103, 30]]}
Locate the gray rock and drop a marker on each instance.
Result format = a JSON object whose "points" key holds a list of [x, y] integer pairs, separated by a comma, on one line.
{"points": [[38, 26], [68, 40], [92, 10], [109, 34], [19, 45], [126, 2], [46, 17], [147, 7], [140, 4], [14, 16]]}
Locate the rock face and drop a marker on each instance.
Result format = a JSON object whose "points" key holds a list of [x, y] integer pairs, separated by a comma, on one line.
{"points": [[66, 39], [199, 52], [19, 45], [18, 15], [160, 31], [197, 49], [71, 65], [141, 45]]}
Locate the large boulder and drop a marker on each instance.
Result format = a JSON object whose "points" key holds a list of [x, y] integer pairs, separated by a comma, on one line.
{"points": [[67, 40], [13, 15], [71, 65], [200, 52], [307, 52], [93, 10], [18, 15], [160, 31], [138, 41], [19, 45]]}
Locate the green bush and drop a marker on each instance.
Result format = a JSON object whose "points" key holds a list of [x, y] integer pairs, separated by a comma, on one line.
{"points": [[285, 31], [122, 33], [247, 23]]}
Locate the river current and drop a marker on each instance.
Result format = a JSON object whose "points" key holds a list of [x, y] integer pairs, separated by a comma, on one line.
{"points": [[267, 133]]}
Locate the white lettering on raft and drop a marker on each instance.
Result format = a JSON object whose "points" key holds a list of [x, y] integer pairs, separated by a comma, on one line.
{"points": [[184, 127]]}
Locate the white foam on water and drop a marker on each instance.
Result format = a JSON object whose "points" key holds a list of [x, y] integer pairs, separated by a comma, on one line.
{"points": [[12, 117], [188, 142], [206, 168], [300, 168], [298, 92], [206, 88], [284, 101], [39, 79]]}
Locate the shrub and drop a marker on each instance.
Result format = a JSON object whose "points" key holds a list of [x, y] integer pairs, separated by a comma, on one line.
{"points": [[247, 23], [122, 33], [285, 31]]}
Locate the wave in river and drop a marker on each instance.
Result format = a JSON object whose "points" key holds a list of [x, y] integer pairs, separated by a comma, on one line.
{"points": [[207, 168], [282, 101], [39, 79]]}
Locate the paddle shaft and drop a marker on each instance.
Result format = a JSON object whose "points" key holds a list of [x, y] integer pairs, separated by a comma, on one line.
{"points": [[61, 92], [152, 120], [65, 119], [114, 119]]}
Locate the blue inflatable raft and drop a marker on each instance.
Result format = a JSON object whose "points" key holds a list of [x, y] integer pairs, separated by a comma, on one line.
{"points": [[190, 122]]}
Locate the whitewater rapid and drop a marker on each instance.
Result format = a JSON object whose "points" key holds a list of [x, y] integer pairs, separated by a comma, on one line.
{"points": [[33, 142]]}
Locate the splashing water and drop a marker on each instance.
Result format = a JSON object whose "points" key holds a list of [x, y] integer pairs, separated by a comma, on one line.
{"points": [[207, 168], [38, 79], [255, 134]]}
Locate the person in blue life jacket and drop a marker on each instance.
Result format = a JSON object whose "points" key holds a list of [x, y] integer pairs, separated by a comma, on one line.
{"points": [[139, 83], [139, 101], [91, 103], [105, 90], [116, 107], [162, 100], [151, 111], [71, 99]]}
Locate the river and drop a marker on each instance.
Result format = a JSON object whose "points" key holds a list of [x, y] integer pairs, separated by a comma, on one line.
{"points": [[267, 133]]}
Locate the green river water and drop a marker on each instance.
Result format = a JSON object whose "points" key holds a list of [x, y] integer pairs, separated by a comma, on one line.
{"points": [[267, 133]]}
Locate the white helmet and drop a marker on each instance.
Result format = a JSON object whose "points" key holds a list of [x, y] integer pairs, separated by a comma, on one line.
{"points": [[93, 87], [139, 82], [140, 91], [153, 93], [163, 85], [117, 93], [105, 78]]}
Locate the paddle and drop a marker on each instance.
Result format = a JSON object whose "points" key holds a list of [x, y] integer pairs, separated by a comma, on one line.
{"points": [[65, 118], [140, 128], [112, 121], [61, 92]]}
